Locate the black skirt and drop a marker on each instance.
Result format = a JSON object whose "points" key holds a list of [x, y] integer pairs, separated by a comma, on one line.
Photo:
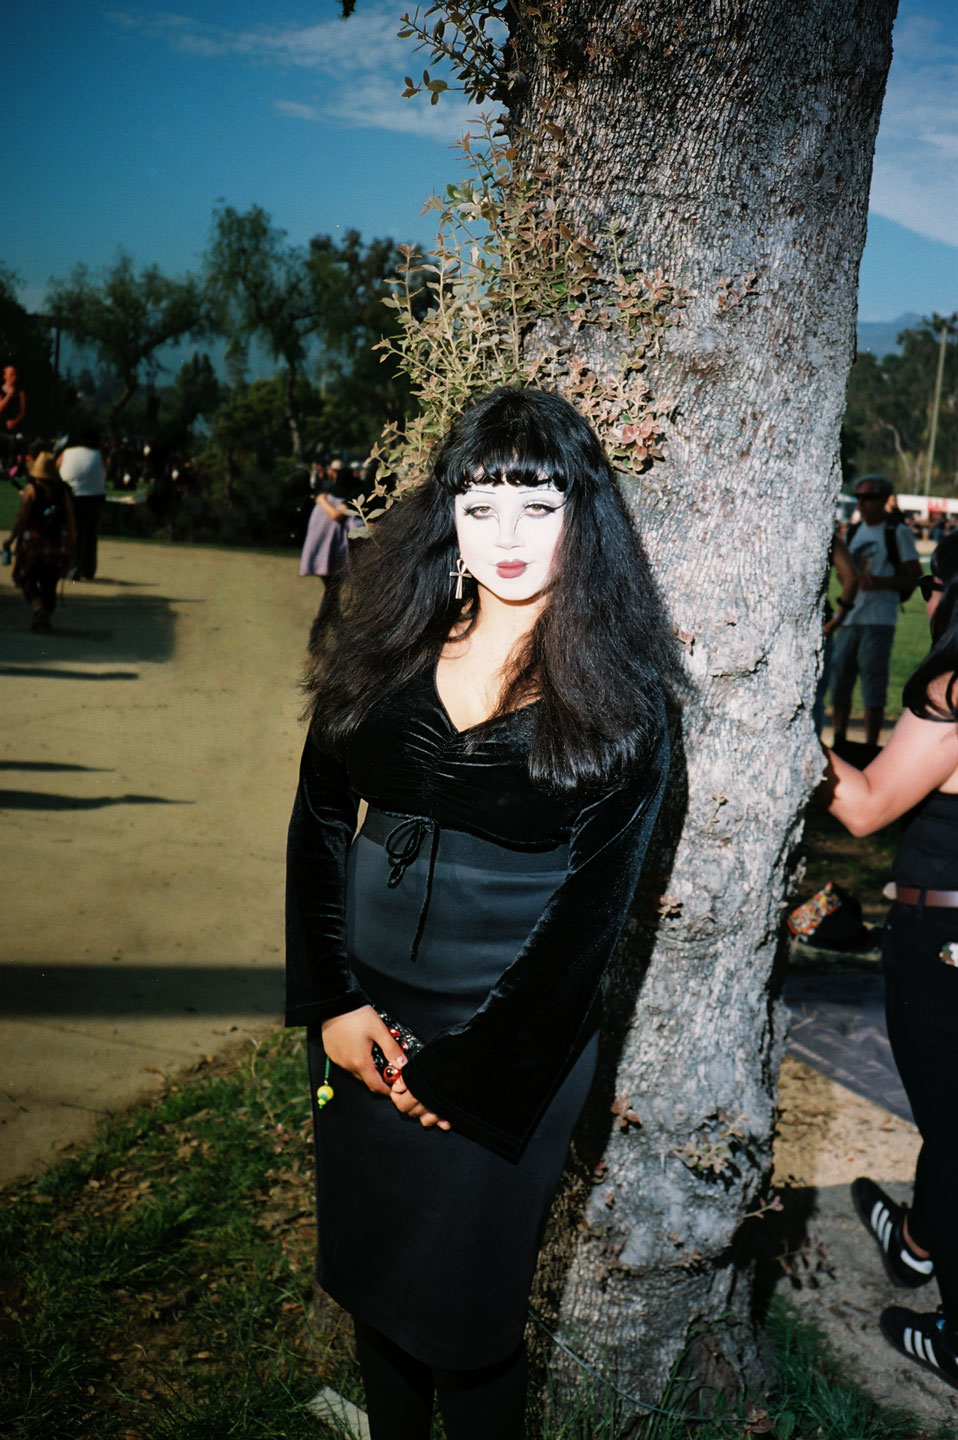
{"points": [[425, 1234]]}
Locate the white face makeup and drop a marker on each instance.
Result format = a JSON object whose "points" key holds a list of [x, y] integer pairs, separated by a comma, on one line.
{"points": [[508, 536]]}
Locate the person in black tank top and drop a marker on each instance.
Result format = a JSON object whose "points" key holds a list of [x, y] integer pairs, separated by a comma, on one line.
{"points": [[916, 777]]}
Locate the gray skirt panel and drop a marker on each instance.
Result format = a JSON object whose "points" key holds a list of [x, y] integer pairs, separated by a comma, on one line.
{"points": [[424, 1234]]}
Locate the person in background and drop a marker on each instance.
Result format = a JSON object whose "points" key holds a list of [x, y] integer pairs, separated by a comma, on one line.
{"points": [[886, 558], [80, 464], [13, 401], [45, 537], [325, 550], [840, 558], [916, 775]]}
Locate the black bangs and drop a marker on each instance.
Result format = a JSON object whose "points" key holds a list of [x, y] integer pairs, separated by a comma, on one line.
{"points": [[520, 437], [508, 471]]}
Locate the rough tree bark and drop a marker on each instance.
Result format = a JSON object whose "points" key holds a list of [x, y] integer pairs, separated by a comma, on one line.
{"points": [[730, 140]]}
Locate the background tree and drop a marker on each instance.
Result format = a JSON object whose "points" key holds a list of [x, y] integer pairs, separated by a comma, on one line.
{"points": [[197, 395], [887, 423], [260, 289], [733, 153], [351, 281], [318, 306], [25, 341], [125, 318]]}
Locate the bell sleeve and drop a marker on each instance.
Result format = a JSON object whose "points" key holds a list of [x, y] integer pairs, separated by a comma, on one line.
{"points": [[319, 983], [493, 1076]]}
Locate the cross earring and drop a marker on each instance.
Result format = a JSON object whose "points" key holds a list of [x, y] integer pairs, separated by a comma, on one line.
{"points": [[459, 574]]}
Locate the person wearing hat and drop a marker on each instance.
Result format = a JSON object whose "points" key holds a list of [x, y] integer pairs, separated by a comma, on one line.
{"points": [[886, 558], [45, 536]]}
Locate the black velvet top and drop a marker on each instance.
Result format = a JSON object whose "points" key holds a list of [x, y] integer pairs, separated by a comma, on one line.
{"points": [[493, 1076]]}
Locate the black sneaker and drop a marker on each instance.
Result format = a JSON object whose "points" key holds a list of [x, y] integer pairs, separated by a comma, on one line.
{"points": [[921, 1338], [883, 1220]]}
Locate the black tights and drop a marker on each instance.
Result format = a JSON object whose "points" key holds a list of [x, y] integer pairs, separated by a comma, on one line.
{"points": [[474, 1404]]}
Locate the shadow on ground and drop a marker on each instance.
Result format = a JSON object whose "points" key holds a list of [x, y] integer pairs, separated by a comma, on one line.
{"points": [[118, 989], [88, 627]]}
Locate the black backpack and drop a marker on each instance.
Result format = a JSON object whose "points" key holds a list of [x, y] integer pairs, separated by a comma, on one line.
{"points": [[49, 513]]}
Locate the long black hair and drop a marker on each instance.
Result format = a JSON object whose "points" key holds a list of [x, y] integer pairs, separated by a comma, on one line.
{"points": [[942, 659], [600, 652]]}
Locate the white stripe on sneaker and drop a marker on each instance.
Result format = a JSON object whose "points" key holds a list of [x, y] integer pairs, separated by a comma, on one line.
{"points": [[909, 1340], [923, 1267], [883, 1228]]}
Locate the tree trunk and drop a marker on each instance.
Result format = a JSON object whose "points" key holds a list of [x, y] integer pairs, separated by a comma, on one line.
{"points": [[290, 411], [130, 386], [730, 140]]}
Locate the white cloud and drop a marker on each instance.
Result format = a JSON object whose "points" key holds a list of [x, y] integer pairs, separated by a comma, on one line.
{"points": [[296, 111], [363, 57], [375, 102], [915, 180]]}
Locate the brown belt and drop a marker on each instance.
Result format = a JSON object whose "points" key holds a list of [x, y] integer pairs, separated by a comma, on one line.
{"points": [[911, 895]]}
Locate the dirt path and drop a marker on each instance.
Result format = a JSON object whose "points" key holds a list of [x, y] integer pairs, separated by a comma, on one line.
{"points": [[149, 754], [150, 745]]}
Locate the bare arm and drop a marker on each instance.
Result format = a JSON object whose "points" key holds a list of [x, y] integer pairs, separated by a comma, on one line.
{"points": [[846, 570], [920, 756], [334, 509], [848, 574], [906, 579], [19, 525]]}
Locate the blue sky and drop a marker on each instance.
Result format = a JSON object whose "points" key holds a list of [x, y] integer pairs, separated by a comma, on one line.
{"points": [[126, 124]]}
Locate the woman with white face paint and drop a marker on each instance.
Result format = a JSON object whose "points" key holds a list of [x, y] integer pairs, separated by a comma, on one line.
{"points": [[494, 690]]}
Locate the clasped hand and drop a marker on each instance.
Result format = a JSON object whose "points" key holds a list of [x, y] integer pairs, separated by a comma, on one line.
{"points": [[348, 1041]]}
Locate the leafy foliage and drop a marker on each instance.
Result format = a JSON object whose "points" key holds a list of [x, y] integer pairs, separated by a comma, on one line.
{"points": [[259, 288], [125, 317], [887, 420], [465, 38], [511, 288]]}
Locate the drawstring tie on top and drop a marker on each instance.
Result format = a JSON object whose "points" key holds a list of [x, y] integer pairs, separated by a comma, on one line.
{"points": [[403, 845]]}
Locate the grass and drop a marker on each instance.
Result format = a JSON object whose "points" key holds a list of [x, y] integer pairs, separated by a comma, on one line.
{"points": [[157, 1286], [9, 505], [812, 1398]]}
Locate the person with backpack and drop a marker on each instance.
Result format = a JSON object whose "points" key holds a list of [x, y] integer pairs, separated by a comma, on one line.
{"points": [[886, 557], [45, 536]]}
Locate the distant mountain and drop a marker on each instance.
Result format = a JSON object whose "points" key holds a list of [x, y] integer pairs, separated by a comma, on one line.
{"points": [[881, 336]]}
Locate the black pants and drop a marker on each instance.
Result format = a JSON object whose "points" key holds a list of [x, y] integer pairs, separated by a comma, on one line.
{"points": [[40, 583], [87, 510], [921, 1006], [486, 1404]]}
